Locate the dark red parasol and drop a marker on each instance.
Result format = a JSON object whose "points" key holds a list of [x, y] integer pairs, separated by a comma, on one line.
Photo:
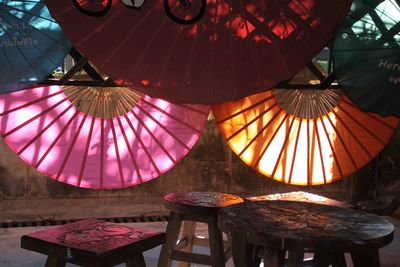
{"points": [[236, 49]]}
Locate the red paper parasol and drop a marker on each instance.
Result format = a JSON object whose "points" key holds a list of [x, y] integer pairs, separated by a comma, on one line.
{"points": [[98, 137], [237, 48], [303, 137]]}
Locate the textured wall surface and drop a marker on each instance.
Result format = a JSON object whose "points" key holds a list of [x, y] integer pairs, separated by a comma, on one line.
{"points": [[210, 166]]}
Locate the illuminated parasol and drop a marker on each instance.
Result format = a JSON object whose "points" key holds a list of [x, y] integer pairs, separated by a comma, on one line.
{"points": [[303, 137], [32, 45], [237, 48], [366, 56], [98, 137]]}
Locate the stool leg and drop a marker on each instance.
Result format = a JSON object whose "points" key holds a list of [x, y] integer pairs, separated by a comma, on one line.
{"points": [[216, 244], [274, 257], [322, 258], [340, 260], [242, 253], [258, 255], [137, 260], [172, 233], [189, 229], [367, 258], [54, 262], [296, 257]]}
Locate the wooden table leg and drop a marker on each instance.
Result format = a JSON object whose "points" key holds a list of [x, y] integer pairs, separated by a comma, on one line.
{"points": [[274, 257], [242, 253], [172, 232], [367, 258], [258, 254], [136, 261], [54, 262], [322, 258], [296, 257], [340, 260]]}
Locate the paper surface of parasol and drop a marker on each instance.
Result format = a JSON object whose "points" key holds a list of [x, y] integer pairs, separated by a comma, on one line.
{"points": [[303, 137], [236, 49], [32, 44], [98, 137], [366, 55]]}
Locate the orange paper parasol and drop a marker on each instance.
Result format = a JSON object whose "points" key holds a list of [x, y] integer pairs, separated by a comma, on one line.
{"points": [[303, 137]]}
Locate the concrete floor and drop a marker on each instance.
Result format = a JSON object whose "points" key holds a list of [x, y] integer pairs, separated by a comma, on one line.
{"points": [[11, 255]]}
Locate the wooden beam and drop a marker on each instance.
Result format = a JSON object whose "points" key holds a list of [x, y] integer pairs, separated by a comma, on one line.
{"points": [[78, 66], [314, 70], [80, 83], [87, 67]]}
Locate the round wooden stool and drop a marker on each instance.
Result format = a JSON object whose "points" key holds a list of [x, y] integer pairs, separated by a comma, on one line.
{"points": [[192, 207]]}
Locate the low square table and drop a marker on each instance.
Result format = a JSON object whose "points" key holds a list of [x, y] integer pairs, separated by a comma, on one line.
{"points": [[93, 242]]}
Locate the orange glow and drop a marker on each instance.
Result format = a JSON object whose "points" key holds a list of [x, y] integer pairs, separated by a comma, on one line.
{"points": [[255, 11], [145, 82], [282, 26], [300, 150], [194, 29], [240, 28], [223, 10], [262, 38]]}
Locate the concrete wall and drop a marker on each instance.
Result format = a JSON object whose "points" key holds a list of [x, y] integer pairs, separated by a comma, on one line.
{"points": [[210, 166]]}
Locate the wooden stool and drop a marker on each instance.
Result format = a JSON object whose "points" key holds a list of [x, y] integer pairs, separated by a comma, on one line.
{"points": [[296, 227], [190, 208], [93, 243]]}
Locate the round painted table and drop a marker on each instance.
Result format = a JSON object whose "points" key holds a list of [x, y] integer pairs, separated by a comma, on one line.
{"points": [[296, 227]]}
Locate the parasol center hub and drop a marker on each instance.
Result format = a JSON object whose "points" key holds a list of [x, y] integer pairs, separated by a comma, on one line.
{"points": [[102, 102], [308, 103]]}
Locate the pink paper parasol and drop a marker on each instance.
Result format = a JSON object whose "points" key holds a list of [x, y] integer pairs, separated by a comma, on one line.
{"points": [[98, 137], [236, 49]]}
